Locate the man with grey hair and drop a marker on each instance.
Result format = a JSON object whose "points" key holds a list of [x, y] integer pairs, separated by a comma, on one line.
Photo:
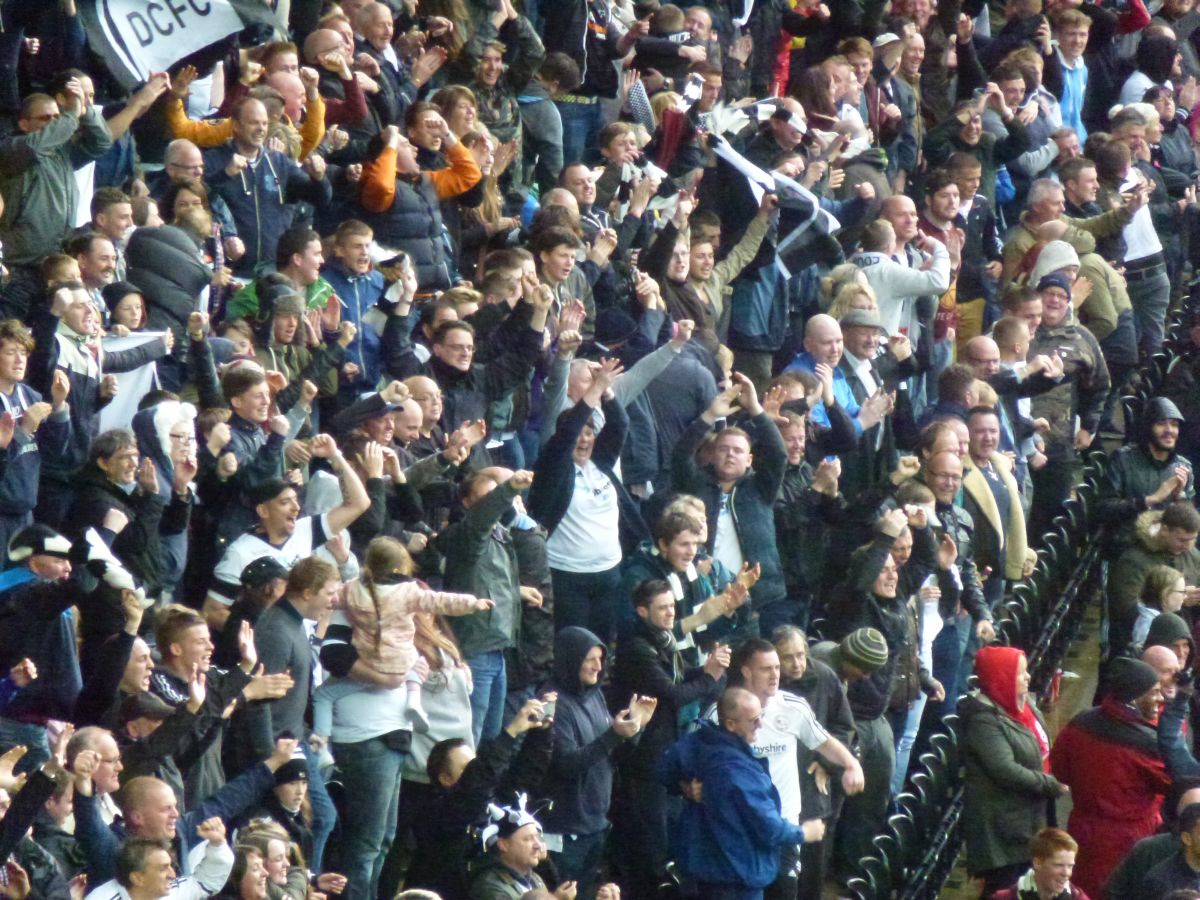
{"points": [[398, 84], [1043, 220]]}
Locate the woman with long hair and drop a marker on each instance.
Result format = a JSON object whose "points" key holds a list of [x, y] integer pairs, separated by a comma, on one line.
{"points": [[446, 695], [459, 109], [484, 226], [815, 91], [371, 710], [248, 877]]}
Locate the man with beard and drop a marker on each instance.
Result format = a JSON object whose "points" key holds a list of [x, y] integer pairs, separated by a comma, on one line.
{"points": [[97, 258], [1148, 474]]}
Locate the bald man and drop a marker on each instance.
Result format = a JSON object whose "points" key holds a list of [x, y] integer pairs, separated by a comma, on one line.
{"points": [[291, 88], [823, 349], [345, 103], [733, 835], [560, 196], [1164, 661]]}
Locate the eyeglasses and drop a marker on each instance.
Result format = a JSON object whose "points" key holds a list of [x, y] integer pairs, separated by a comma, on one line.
{"points": [[946, 476]]}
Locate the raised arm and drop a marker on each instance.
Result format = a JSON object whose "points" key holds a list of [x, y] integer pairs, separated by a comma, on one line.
{"points": [[355, 502]]}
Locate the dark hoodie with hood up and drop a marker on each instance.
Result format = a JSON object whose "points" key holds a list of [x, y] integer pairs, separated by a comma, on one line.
{"points": [[1166, 629], [580, 779], [1133, 473]]}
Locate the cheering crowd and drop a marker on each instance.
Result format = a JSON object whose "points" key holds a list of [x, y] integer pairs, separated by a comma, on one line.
{"points": [[570, 449]]}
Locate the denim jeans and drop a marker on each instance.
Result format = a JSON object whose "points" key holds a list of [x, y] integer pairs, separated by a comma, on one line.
{"points": [[371, 775], [33, 737], [581, 123], [579, 860], [947, 650], [943, 355], [324, 813], [1150, 296], [906, 737], [488, 690], [510, 454], [588, 599]]}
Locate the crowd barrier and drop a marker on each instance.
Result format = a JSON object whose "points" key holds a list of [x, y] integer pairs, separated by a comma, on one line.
{"points": [[916, 852]]}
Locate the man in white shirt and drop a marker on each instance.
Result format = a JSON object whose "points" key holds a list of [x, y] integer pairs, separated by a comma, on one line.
{"points": [[145, 872], [788, 720], [282, 533], [888, 263]]}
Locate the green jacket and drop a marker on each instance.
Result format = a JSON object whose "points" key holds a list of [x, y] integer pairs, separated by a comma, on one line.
{"points": [[944, 140], [1131, 476], [1082, 390], [1081, 234], [481, 560], [1005, 793], [1126, 575], [244, 304], [498, 883], [37, 178]]}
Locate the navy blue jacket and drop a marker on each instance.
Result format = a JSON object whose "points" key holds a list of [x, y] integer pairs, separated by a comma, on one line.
{"points": [[733, 836], [21, 462], [554, 484], [260, 198], [413, 223], [752, 500], [580, 779], [36, 622], [358, 295]]}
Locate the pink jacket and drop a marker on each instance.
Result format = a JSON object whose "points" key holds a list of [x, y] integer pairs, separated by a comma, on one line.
{"points": [[384, 627]]}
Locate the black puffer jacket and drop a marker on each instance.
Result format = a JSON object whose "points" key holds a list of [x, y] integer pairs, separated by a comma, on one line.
{"points": [[163, 262], [138, 546], [413, 223]]}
